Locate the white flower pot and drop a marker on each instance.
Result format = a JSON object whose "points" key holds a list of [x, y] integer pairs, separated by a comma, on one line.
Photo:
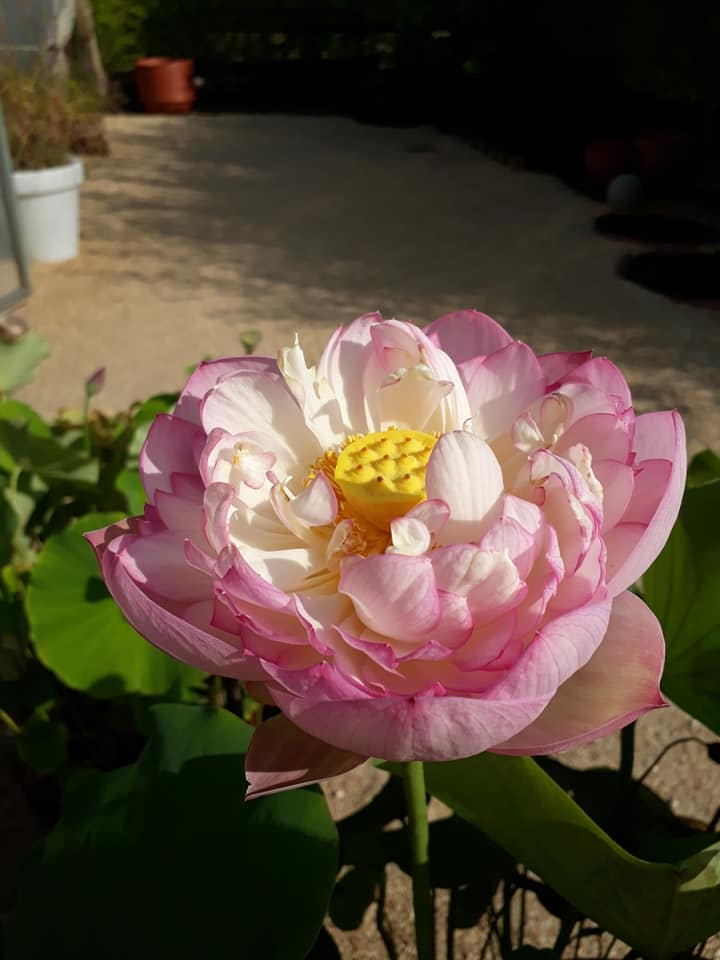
{"points": [[49, 209]]}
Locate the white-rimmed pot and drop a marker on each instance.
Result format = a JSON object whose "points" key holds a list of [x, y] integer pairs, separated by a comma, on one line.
{"points": [[49, 210]]}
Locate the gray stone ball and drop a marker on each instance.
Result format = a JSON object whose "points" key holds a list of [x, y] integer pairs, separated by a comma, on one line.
{"points": [[624, 193]]}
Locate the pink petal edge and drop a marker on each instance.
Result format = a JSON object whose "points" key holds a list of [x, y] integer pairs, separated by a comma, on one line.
{"points": [[466, 334], [206, 375], [169, 632], [618, 684], [657, 435], [282, 756], [444, 727]]}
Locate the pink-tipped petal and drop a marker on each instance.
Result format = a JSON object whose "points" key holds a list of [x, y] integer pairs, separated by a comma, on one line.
{"points": [[466, 334], [158, 564], [464, 473], [343, 365], [500, 387], [619, 683], [657, 435], [508, 536], [282, 756], [179, 514], [489, 579], [101, 539], [217, 507], [172, 632], [397, 345], [206, 375], [245, 586], [168, 449], [433, 513], [601, 373], [393, 594], [557, 366], [569, 506], [617, 481], [428, 380], [439, 726], [650, 482], [252, 401], [620, 543], [606, 435]]}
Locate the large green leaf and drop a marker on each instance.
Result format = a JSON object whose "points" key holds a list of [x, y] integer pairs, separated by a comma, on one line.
{"points": [[22, 416], [683, 589], [78, 630], [19, 412], [703, 467], [8, 526], [128, 483], [19, 360], [43, 743], [631, 812], [26, 449], [166, 859], [657, 908], [16, 507]]}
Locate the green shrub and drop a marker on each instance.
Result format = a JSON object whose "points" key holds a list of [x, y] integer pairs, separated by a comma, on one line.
{"points": [[46, 120], [37, 118], [120, 27]]}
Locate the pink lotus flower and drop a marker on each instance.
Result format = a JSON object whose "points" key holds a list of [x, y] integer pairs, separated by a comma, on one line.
{"points": [[420, 549]]}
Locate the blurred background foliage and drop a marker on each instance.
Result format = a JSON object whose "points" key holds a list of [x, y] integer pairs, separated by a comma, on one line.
{"points": [[659, 48], [536, 80]]}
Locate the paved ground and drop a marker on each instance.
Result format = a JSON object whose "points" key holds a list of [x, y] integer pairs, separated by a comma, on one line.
{"points": [[199, 228]]}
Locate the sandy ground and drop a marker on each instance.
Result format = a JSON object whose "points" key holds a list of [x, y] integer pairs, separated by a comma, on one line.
{"points": [[200, 228]]}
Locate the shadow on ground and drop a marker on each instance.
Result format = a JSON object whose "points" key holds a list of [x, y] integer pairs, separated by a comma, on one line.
{"points": [[199, 227]]}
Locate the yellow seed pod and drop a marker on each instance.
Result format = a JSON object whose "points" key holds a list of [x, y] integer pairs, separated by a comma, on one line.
{"points": [[382, 475]]}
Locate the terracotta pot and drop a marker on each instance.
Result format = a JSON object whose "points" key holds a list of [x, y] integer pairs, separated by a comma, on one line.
{"points": [[661, 153], [165, 85], [606, 159]]}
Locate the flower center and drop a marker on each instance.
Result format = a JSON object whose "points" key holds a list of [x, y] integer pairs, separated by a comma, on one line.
{"points": [[382, 475]]}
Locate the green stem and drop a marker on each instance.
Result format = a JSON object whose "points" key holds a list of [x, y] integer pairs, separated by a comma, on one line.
{"points": [[627, 751], [9, 722], [626, 796], [86, 425], [217, 693], [415, 799]]}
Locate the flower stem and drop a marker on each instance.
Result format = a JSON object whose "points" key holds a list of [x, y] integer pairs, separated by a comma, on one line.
{"points": [[627, 751], [10, 723], [86, 424], [415, 799]]}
